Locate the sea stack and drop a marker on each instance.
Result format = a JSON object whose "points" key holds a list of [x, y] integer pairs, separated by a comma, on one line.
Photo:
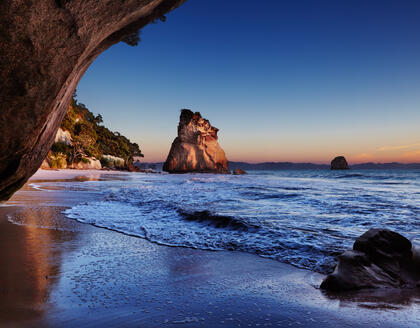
{"points": [[339, 163], [196, 148]]}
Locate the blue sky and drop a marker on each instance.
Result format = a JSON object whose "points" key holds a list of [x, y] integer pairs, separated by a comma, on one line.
{"points": [[282, 80]]}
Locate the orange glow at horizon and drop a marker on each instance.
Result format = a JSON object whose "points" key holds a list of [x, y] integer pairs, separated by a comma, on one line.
{"points": [[267, 152], [311, 138]]}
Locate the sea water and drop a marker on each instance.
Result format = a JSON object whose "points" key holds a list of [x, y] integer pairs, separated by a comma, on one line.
{"points": [[305, 218]]}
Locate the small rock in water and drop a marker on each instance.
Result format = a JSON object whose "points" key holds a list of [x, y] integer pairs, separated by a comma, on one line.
{"points": [[339, 163], [239, 172]]}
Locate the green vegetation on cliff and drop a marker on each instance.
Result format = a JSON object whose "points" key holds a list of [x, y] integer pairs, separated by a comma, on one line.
{"points": [[89, 139]]}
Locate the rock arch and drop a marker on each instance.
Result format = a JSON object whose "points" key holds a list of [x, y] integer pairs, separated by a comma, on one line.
{"points": [[45, 47]]}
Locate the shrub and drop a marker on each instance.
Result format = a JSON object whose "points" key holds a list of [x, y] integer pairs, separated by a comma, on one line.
{"points": [[60, 147], [57, 160], [105, 162]]}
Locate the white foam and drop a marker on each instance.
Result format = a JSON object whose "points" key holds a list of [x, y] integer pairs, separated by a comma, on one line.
{"points": [[300, 219]]}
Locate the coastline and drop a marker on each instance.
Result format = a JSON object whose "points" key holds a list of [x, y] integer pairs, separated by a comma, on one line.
{"points": [[59, 272]]}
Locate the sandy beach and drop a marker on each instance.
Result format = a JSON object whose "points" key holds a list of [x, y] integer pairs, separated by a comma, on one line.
{"points": [[57, 272]]}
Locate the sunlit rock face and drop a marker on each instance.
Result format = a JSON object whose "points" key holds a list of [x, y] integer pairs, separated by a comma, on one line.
{"points": [[45, 47], [339, 163], [63, 137], [90, 163], [196, 148]]}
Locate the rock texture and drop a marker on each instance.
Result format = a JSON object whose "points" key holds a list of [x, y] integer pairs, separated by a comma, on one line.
{"points": [[239, 172], [45, 47], [63, 137], [380, 258], [88, 164], [339, 163], [114, 161], [196, 148], [45, 165]]}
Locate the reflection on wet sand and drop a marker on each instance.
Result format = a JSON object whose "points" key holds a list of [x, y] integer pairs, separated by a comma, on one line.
{"points": [[79, 178], [178, 262], [29, 272], [378, 298], [50, 184]]}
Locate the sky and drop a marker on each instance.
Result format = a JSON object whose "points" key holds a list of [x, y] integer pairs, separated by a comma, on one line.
{"points": [[299, 81]]}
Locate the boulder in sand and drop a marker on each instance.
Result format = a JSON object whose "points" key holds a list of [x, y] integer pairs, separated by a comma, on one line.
{"points": [[380, 258]]}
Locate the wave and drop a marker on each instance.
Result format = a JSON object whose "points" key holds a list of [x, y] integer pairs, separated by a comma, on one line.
{"points": [[348, 176], [217, 221], [304, 220], [278, 195]]}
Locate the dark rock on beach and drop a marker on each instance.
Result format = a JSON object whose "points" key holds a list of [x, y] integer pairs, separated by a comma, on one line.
{"points": [[339, 163], [380, 258], [196, 148]]}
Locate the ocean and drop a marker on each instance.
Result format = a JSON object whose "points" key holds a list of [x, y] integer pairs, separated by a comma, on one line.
{"points": [[304, 218]]}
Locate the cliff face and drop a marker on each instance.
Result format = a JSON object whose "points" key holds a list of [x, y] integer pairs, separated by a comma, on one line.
{"points": [[45, 47], [196, 148], [83, 142]]}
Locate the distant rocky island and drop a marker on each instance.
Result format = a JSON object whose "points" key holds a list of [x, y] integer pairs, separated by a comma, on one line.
{"points": [[196, 148], [82, 142], [339, 163]]}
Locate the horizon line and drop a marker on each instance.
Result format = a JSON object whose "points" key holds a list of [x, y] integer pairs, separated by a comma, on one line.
{"points": [[305, 162]]}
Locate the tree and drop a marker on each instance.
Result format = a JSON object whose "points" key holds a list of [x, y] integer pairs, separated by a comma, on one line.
{"points": [[91, 139], [98, 119]]}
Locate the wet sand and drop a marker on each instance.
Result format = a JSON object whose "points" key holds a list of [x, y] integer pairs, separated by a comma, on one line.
{"points": [[56, 272]]}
